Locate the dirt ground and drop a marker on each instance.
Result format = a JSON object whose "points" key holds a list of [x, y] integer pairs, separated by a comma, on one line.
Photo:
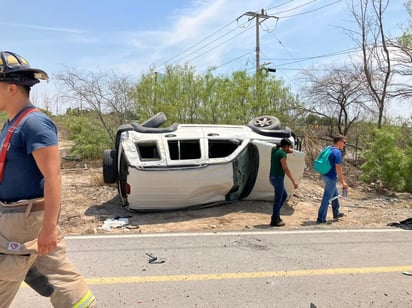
{"points": [[87, 203]]}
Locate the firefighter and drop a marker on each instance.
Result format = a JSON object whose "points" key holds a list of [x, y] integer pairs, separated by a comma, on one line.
{"points": [[32, 246]]}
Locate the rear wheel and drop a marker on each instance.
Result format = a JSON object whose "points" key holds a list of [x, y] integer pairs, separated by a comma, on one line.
{"points": [[109, 166], [266, 122]]}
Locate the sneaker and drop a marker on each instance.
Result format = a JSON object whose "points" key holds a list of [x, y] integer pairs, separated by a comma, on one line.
{"points": [[277, 223], [321, 222], [340, 215]]}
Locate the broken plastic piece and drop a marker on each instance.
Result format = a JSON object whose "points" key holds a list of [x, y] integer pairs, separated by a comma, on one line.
{"points": [[154, 260]]}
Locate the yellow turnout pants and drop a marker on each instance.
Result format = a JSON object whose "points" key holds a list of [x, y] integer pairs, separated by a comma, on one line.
{"points": [[18, 233]]}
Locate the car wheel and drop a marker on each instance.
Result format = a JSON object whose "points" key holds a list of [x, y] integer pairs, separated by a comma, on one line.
{"points": [[266, 122], [109, 166]]}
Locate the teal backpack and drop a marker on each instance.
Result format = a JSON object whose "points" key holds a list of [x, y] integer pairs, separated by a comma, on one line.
{"points": [[322, 164]]}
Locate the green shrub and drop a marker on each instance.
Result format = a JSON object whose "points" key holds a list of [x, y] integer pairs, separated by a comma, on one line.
{"points": [[89, 136], [388, 159]]}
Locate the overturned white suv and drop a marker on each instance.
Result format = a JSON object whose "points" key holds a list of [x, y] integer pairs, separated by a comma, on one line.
{"points": [[188, 165]]}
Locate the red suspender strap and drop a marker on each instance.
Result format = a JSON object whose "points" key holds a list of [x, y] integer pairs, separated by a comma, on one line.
{"points": [[6, 142]]}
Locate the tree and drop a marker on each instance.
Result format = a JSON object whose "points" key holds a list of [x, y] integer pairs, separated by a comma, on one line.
{"points": [[402, 70], [188, 97], [403, 59], [372, 40], [406, 39], [337, 95], [176, 93], [101, 92]]}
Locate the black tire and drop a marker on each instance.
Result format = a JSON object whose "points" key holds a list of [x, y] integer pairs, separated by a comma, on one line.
{"points": [[156, 121], [265, 122], [110, 166]]}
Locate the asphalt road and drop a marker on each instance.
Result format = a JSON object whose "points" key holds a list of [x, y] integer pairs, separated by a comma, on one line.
{"points": [[320, 268]]}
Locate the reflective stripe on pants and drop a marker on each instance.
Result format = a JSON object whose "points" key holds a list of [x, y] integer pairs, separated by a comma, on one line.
{"points": [[85, 301]]}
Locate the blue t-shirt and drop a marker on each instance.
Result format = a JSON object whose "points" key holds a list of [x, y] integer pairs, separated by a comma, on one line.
{"points": [[22, 178], [335, 157]]}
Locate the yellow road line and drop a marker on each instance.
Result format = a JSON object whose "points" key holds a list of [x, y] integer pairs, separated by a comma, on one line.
{"points": [[198, 277], [223, 276]]}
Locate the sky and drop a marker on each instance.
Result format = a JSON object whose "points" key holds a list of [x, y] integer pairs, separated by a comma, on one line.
{"points": [[129, 37]]}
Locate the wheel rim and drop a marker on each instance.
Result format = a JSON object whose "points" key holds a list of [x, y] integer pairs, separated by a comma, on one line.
{"points": [[263, 122]]}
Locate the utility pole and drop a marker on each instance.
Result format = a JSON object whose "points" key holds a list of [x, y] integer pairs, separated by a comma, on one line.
{"points": [[259, 17]]}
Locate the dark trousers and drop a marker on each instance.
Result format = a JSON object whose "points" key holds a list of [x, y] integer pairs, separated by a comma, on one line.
{"points": [[278, 182]]}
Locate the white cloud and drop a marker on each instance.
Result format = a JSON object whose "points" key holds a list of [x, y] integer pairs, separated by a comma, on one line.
{"points": [[186, 39], [45, 28]]}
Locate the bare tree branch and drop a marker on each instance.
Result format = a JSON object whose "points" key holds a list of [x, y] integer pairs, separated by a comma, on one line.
{"points": [[100, 92]]}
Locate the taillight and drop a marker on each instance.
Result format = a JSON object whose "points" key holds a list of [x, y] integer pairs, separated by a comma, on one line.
{"points": [[128, 189]]}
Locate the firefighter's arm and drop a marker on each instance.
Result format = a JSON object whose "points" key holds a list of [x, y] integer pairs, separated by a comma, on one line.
{"points": [[48, 162]]}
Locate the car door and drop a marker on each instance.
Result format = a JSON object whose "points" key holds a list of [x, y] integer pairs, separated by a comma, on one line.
{"points": [[184, 147], [262, 189]]}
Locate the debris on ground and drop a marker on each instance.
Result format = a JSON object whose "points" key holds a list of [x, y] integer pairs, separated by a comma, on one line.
{"points": [[155, 260], [110, 223], [404, 224]]}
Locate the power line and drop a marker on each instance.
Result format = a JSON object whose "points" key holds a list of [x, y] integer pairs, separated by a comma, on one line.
{"points": [[310, 11], [288, 10], [216, 46], [279, 5], [209, 43], [209, 47], [297, 7], [257, 16], [197, 43], [181, 54], [298, 60], [235, 59]]}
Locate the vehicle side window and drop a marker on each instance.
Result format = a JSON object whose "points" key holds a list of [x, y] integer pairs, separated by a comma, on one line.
{"points": [[222, 148], [148, 151], [184, 149]]}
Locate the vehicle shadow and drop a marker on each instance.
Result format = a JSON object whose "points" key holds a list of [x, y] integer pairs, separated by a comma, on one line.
{"points": [[113, 209]]}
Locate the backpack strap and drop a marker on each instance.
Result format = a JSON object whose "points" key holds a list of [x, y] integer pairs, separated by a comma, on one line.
{"points": [[6, 142]]}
